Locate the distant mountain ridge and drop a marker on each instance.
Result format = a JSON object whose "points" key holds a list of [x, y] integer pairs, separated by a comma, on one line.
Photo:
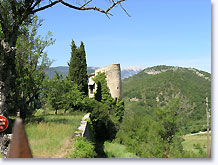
{"points": [[162, 68], [125, 72]]}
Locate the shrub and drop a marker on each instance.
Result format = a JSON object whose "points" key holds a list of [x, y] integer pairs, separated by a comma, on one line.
{"points": [[82, 148], [115, 150], [39, 112]]}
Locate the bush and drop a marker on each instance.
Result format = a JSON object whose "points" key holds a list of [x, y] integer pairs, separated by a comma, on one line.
{"points": [[39, 112], [82, 148], [115, 150]]}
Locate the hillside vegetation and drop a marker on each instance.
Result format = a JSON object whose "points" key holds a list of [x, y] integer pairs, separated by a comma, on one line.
{"points": [[156, 86], [162, 104]]}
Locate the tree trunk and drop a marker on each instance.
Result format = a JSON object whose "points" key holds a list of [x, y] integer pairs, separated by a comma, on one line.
{"points": [[65, 110], [7, 86], [7, 80]]}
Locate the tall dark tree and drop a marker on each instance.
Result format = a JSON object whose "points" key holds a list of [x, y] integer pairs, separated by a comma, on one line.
{"points": [[83, 71], [74, 65], [78, 67]]}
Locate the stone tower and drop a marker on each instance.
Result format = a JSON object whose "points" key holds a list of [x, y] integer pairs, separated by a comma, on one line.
{"points": [[113, 78]]}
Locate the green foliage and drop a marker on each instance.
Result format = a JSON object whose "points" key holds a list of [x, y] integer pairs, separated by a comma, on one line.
{"points": [[140, 135], [108, 112], [78, 67], [116, 107], [115, 150], [91, 129], [82, 148], [102, 93], [103, 125], [64, 93], [153, 135], [39, 112], [83, 69], [53, 92], [31, 61], [168, 117]]}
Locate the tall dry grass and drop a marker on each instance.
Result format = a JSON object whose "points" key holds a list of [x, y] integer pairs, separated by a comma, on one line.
{"points": [[49, 134]]}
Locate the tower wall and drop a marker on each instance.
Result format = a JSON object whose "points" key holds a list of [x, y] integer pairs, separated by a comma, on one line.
{"points": [[113, 78]]}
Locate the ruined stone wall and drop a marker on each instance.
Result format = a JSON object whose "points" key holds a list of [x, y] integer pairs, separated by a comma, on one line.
{"points": [[84, 128], [113, 77]]}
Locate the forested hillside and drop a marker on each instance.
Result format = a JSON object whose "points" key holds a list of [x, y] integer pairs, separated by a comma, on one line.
{"points": [[156, 86]]}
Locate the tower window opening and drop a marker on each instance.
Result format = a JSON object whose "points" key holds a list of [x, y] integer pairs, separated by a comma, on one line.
{"points": [[91, 88]]}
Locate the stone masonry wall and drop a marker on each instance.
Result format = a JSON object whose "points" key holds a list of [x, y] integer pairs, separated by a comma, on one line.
{"points": [[84, 128]]}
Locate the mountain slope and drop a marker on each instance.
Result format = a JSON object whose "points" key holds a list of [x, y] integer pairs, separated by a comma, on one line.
{"points": [[156, 86]]}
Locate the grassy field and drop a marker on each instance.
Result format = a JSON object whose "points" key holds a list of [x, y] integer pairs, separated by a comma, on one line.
{"points": [[50, 135], [196, 142]]}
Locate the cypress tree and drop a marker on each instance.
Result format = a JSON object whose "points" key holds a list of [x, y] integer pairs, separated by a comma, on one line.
{"points": [[78, 67], [74, 65], [83, 70]]}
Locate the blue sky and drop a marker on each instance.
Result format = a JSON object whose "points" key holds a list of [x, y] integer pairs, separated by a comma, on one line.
{"points": [[159, 32]]}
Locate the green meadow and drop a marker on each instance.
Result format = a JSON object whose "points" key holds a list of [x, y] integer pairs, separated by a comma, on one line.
{"points": [[196, 142]]}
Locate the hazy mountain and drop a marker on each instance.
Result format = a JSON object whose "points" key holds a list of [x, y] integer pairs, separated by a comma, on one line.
{"points": [[125, 72], [130, 71], [156, 86], [64, 70]]}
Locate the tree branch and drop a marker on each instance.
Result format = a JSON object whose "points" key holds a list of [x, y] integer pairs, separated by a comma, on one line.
{"points": [[125, 10], [3, 23], [85, 8], [37, 3], [13, 7], [86, 3], [45, 7], [113, 5], [79, 8]]}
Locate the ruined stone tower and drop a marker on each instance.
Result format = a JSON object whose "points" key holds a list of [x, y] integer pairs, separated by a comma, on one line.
{"points": [[113, 78]]}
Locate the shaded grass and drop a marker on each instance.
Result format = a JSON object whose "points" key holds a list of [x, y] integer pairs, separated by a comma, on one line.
{"points": [[47, 134], [115, 150], [193, 142]]}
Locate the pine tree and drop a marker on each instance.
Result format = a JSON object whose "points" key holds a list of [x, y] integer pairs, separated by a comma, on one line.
{"points": [[83, 70]]}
